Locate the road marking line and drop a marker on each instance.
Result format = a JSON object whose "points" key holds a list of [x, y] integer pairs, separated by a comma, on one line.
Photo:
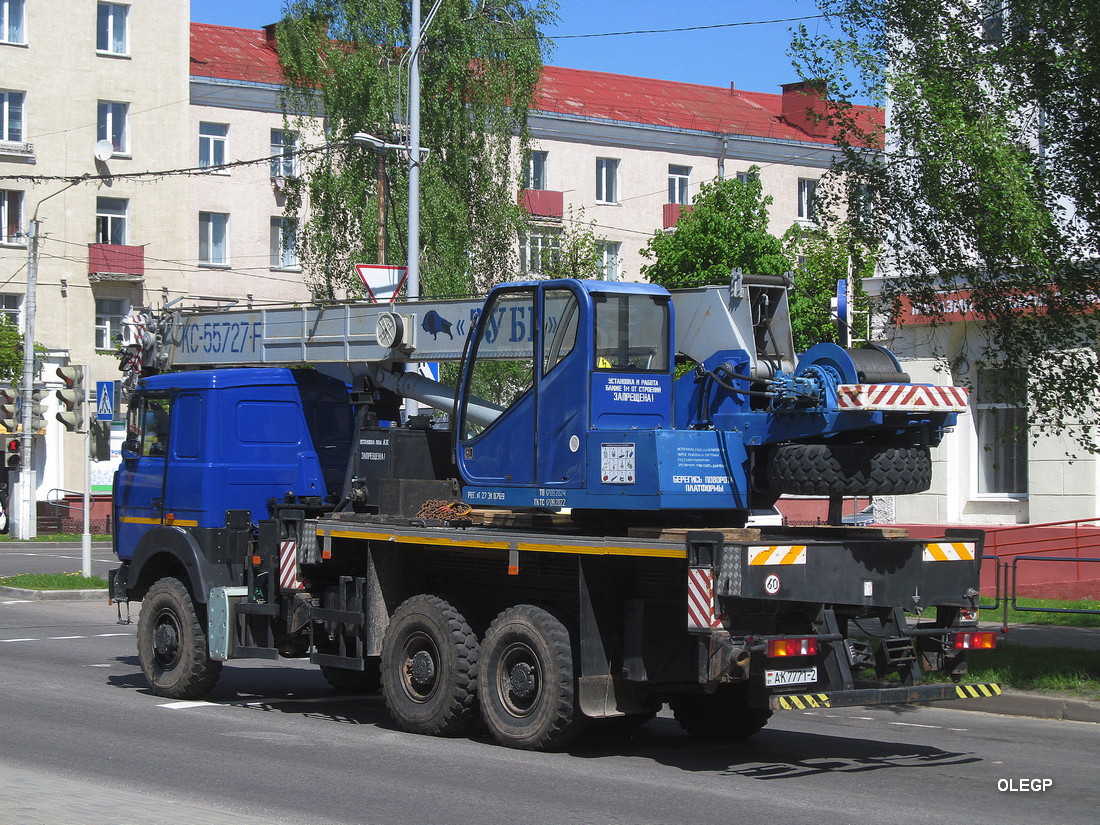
{"points": [[913, 725], [50, 638], [189, 704], [104, 635], [20, 640]]}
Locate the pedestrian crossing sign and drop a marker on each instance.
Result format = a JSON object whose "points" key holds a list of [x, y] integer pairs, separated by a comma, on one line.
{"points": [[105, 400]]}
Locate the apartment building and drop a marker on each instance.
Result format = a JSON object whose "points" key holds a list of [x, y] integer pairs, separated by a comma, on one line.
{"points": [[93, 103]]}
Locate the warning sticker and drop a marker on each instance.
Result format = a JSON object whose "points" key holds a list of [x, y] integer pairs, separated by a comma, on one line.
{"points": [[617, 463]]}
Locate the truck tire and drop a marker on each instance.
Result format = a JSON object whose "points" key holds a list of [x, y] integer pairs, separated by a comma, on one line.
{"points": [[172, 643], [849, 469], [722, 716], [429, 668], [528, 694], [367, 680]]}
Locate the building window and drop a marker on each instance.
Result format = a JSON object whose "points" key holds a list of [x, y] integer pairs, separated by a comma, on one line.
{"points": [[284, 159], [9, 308], [747, 177], [110, 220], [540, 250], [535, 177], [807, 189], [607, 180], [11, 116], [212, 140], [679, 181], [611, 262], [1000, 414], [11, 217], [110, 34], [213, 238], [109, 313], [112, 125], [284, 243], [11, 21]]}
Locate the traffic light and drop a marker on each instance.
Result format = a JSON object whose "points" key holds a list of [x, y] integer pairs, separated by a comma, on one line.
{"points": [[38, 410], [9, 409], [72, 398], [14, 459]]}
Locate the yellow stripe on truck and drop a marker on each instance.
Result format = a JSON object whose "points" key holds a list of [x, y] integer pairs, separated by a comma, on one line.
{"points": [[777, 554], [949, 551]]}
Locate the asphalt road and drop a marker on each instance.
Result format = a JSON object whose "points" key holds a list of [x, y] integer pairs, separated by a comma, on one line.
{"points": [[45, 557], [272, 744]]}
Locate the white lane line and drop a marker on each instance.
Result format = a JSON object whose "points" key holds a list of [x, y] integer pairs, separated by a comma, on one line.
{"points": [[105, 635], [913, 725], [18, 601], [189, 704], [20, 640], [65, 637]]}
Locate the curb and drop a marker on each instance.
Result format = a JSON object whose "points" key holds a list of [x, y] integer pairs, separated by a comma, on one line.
{"points": [[1034, 705], [54, 595]]}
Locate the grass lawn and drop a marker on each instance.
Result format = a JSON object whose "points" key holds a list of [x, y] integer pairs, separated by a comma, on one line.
{"points": [[53, 581], [1061, 619]]}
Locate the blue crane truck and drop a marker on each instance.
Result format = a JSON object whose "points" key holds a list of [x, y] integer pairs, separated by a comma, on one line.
{"points": [[571, 539]]}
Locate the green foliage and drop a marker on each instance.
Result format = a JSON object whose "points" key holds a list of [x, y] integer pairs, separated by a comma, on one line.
{"points": [[725, 229], [53, 581], [11, 352], [824, 257], [580, 250], [479, 65], [987, 177]]}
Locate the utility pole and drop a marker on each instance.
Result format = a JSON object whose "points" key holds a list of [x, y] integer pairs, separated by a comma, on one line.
{"points": [[26, 518], [412, 283]]}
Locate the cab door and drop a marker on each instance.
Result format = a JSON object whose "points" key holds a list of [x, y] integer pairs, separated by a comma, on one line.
{"points": [[140, 480], [497, 405]]}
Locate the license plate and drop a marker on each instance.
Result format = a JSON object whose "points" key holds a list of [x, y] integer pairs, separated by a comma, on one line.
{"points": [[777, 678]]}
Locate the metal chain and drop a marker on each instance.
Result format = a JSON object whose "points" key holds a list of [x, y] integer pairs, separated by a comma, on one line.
{"points": [[441, 509]]}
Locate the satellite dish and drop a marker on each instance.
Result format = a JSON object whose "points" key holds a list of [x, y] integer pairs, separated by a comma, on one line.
{"points": [[104, 149]]}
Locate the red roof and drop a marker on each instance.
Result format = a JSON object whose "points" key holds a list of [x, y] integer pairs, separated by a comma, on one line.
{"points": [[247, 55], [229, 53]]}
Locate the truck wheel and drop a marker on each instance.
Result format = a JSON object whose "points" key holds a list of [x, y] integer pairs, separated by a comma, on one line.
{"points": [[722, 716], [528, 698], [172, 643], [849, 469], [429, 668], [367, 680]]}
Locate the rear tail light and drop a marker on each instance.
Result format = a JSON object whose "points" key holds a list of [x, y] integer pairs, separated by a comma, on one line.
{"points": [[792, 647], [984, 640]]}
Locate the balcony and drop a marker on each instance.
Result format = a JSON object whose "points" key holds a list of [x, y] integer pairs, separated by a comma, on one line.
{"points": [[672, 212], [542, 203], [114, 262]]}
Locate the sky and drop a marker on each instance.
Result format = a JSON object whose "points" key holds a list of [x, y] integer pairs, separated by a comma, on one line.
{"points": [[751, 57]]}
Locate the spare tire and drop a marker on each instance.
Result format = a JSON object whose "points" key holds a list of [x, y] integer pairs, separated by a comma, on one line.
{"points": [[849, 469]]}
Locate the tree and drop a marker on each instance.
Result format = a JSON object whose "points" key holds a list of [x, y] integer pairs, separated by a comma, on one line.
{"points": [[825, 255], [986, 180], [11, 352], [579, 251], [480, 63], [725, 229]]}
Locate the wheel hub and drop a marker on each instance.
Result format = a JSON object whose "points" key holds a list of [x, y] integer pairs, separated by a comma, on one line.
{"points": [[166, 642], [521, 681], [421, 669]]}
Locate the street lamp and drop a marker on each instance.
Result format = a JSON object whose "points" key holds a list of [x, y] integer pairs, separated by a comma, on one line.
{"points": [[380, 146]]}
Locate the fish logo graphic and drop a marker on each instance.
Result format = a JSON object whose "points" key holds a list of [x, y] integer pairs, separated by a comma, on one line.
{"points": [[435, 324]]}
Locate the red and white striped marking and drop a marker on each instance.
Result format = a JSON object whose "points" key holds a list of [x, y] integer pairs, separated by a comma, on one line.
{"points": [[702, 614], [901, 397], [288, 566]]}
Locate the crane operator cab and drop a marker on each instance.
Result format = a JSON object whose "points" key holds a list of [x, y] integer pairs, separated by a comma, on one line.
{"points": [[579, 378]]}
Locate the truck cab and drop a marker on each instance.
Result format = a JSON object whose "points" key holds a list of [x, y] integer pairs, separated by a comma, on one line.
{"points": [[206, 451]]}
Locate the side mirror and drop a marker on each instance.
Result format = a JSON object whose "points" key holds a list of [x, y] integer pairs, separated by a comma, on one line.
{"points": [[130, 448]]}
